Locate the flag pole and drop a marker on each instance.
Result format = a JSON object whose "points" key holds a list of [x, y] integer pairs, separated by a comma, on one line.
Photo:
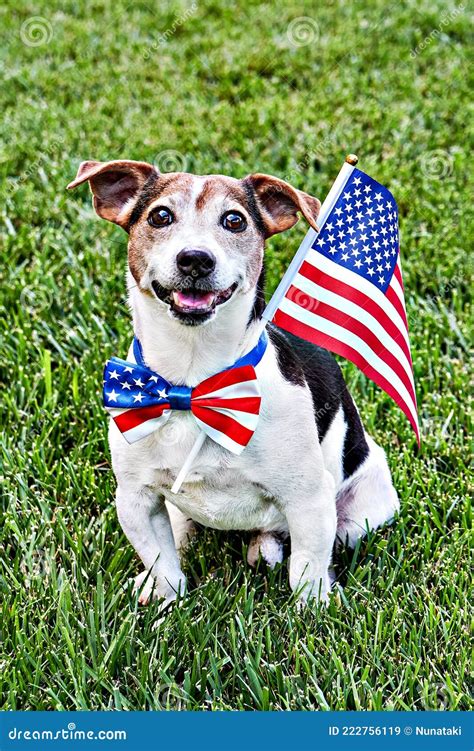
{"points": [[280, 292]]}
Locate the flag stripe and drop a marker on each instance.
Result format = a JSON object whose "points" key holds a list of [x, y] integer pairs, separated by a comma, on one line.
{"points": [[146, 428], [322, 339], [358, 283], [221, 438], [355, 326], [227, 377], [223, 424], [245, 390], [135, 416], [357, 300], [335, 332], [242, 404]]}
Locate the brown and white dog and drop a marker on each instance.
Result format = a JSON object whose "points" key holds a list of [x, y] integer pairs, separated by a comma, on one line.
{"points": [[195, 283]]}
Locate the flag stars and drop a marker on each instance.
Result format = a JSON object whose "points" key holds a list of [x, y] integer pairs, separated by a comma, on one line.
{"points": [[370, 271], [320, 242], [162, 394], [153, 378], [114, 374], [357, 181], [345, 257], [338, 211], [358, 263], [112, 395], [138, 397], [138, 382], [128, 369], [367, 188], [126, 385]]}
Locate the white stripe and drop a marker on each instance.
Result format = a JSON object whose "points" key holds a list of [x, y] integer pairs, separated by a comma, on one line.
{"points": [[396, 286], [347, 337], [338, 272], [238, 390], [220, 438], [145, 428], [247, 419], [352, 309]]}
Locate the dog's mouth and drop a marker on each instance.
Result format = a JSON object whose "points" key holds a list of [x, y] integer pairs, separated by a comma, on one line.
{"points": [[193, 305]]}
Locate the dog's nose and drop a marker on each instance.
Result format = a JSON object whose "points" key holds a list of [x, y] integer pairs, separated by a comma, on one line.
{"points": [[196, 263]]}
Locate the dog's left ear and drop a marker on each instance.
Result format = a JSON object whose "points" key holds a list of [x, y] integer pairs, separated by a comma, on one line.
{"points": [[279, 203], [115, 186]]}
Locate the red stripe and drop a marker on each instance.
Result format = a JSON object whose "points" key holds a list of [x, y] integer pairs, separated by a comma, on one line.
{"points": [[354, 325], [249, 404], [398, 274], [133, 417], [225, 378], [334, 345], [224, 424], [359, 298]]}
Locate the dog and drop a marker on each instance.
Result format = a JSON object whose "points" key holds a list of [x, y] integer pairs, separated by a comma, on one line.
{"points": [[196, 291]]}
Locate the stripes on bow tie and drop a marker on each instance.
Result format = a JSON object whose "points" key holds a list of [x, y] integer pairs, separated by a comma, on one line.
{"points": [[226, 406]]}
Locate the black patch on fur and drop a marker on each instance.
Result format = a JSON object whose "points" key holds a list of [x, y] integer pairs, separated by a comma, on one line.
{"points": [[252, 206], [356, 448], [288, 361], [148, 193], [302, 362], [259, 302]]}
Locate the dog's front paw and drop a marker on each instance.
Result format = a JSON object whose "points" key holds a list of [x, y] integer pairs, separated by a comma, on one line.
{"points": [[150, 588], [309, 582]]}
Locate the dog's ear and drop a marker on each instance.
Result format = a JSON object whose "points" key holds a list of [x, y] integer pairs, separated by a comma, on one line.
{"points": [[115, 186], [279, 203]]}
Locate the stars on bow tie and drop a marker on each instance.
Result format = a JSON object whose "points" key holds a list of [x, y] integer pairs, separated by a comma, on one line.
{"points": [[162, 394], [138, 397], [112, 395]]}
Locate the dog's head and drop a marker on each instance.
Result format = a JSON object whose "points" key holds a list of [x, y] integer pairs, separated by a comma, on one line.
{"points": [[194, 242]]}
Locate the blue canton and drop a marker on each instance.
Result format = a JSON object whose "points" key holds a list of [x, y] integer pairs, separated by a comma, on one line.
{"points": [[361, 233]]}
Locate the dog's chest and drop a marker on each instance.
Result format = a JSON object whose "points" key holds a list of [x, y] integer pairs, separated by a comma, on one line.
{"points": [[217, 492]]}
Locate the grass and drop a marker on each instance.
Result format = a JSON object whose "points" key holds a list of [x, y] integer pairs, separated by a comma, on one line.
{"points": [[227, 88]]}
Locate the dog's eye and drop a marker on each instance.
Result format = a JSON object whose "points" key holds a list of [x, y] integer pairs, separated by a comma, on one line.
{"points": [[234, 221], [160, 217]]}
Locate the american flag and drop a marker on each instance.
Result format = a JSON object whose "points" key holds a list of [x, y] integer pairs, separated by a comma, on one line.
{"points": [[347, 295]]}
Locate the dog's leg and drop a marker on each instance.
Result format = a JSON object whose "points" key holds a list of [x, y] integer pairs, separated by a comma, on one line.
{"points": [[269, 545], [183, 527], [366, 500], [145, 521], [312, 523]]}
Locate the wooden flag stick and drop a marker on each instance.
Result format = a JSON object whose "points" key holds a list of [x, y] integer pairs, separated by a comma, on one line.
{"points": [[280, 292]]}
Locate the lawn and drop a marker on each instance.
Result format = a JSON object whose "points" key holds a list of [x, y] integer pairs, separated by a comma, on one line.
{"points": [[285, 88]]}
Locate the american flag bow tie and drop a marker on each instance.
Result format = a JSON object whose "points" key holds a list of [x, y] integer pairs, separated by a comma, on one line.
{"points": [[226, 406]]}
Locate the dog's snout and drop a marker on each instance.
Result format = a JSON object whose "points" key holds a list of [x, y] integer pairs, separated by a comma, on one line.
{"points": [[196, 263]]}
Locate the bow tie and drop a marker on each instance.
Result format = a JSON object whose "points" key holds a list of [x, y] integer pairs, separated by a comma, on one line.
{"points": [[226, 405]]}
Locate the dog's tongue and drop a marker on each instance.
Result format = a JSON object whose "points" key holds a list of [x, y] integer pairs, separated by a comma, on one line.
{"points": [[193, 299]]}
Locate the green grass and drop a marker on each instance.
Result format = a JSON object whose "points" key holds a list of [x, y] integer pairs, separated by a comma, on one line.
{"points": [[228, 92]]}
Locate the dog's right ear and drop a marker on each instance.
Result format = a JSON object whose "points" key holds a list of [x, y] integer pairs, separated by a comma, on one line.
{"points": [[115, 186]]}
